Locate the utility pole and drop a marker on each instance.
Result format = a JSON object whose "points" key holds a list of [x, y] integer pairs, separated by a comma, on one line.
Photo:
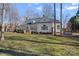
{"points": [[54, 19], [61, 19], [2, 22], [78, 6]]}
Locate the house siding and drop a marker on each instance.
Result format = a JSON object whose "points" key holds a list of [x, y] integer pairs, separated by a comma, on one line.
{"points": [[39, 25]]}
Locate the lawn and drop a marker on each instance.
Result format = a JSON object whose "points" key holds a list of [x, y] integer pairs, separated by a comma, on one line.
{"points": [[38, 45]]}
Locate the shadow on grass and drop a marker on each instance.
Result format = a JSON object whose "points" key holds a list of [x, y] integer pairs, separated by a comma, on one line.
{"points": [[38, 41], [73, 37], [15, 53]]}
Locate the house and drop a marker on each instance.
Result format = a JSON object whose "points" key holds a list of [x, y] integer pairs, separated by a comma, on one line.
{"points": [[10, 27], [43, 25]]}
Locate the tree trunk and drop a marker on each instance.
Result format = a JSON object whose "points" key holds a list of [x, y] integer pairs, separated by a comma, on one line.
{"points": [[61, 19], [3, 18], [54, 19]]}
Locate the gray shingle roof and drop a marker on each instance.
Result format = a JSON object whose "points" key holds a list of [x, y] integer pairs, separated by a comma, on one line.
{"points": [[44, 20]]}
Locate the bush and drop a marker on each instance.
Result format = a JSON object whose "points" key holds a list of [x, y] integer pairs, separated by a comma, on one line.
{"points": [[20, 31]]}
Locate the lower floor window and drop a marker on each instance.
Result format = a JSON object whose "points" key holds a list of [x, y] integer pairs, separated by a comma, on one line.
{"points": [[44, 27], [58, 26]]}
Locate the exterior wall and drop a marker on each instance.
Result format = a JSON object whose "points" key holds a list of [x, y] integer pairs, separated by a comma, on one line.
{"points": [[33, 27], [39, 25], [57, 29]]}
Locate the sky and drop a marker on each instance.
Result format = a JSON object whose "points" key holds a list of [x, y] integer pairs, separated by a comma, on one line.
{"points": [[69, 9]]}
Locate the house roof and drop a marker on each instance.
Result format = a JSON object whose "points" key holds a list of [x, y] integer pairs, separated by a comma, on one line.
{"points": [[50, 21], [43, 20]]}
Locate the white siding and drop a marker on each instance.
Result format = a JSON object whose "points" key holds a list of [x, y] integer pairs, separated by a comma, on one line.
{"points": [[33, 27], [39, 25], [57, 30]]}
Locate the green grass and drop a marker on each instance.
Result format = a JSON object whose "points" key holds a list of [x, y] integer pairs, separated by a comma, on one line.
{"points": [[22, 44]]}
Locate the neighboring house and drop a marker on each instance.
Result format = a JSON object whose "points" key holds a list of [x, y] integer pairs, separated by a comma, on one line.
{"points": [[10, 27], [43, 25], [68, 28]]}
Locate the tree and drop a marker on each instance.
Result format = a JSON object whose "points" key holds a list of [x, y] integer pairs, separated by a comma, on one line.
{"points": [[36, 15], [10, 8], [65, 19], [4, 11], [2, 21], [15, 18], [74, 23], [47, 11], [31, 14]]}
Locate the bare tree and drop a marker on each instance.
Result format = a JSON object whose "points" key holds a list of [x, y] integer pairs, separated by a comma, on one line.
{"points": [[31, 14], [36, 15], [65, 19], [2, 21], [15, 18], [4, 12], [47, 10]]}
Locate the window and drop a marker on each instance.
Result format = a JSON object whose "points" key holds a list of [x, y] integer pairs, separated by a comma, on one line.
{"points": [[44, 27], [33, 28], [58, 26]]}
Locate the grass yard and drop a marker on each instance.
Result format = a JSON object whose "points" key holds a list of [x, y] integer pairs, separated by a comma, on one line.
{"points": [[38, 45]]}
